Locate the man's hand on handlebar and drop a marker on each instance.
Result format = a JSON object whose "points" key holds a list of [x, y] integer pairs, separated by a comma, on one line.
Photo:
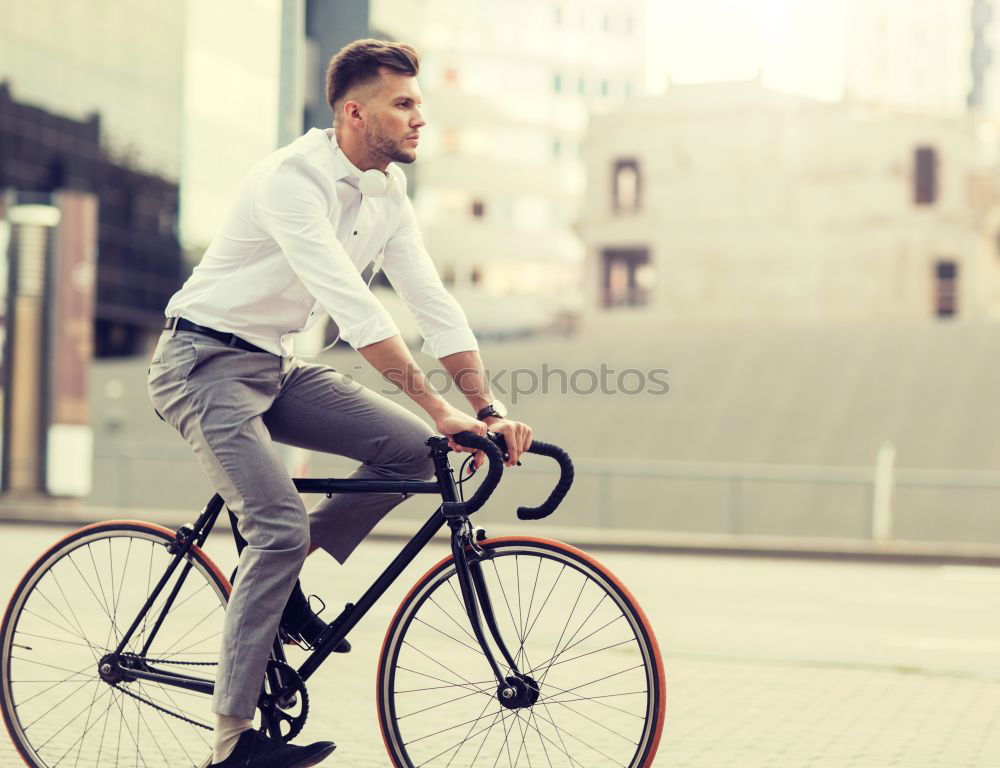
{"points": [[516, 435], [453, 421]]}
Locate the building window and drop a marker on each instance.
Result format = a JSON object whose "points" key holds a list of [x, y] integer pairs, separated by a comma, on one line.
{"points": [[582, 86], [925, 175], [604, 87], [946, 289], [627, 277], [625, 185], [557, 83], [478, 209], [556, 147]]}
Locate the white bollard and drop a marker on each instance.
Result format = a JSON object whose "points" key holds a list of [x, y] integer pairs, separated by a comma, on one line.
{"points": [[885, 464]]}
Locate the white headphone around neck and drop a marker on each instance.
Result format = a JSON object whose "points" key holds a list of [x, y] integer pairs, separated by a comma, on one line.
{"points": [[373, 183]]}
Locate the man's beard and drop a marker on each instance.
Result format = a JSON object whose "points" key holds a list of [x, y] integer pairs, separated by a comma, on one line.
{"points": [[380, 144]]}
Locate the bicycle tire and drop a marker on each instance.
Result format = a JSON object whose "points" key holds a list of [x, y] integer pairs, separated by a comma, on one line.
{"points": [[601, 719], [45, 629]]}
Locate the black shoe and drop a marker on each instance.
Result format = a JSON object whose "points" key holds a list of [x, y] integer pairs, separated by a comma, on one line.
{"points": [[300, 623], [255, 750]]}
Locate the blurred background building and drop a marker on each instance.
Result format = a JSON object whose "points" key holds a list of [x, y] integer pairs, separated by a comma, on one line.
{"points": [[889, 60], [94, 103], [508, 91], [731, 203], [791, 207]]}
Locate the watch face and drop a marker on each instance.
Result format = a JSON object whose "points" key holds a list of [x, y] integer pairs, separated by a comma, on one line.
{"points": [[499, 409]]}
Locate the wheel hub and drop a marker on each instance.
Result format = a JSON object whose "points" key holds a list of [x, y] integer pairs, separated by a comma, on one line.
{"points": [[518, 692], [110, 670]]}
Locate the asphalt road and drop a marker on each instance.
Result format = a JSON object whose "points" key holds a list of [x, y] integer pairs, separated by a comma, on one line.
{"points": [[769, 662]]}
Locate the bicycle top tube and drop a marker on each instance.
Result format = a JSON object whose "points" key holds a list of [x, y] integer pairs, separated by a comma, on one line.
{"points": [[495, 449]]}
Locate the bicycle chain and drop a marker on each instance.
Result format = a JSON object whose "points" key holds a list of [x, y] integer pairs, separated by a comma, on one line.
{"points": [[296, 723], [173, 661], [156, 706]]}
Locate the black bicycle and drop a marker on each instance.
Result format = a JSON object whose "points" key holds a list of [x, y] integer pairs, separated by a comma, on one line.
{"points": [[511, 651]]}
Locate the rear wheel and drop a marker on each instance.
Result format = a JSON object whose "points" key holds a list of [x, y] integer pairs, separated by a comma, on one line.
{"points": [[578, 637], [69, 611]]}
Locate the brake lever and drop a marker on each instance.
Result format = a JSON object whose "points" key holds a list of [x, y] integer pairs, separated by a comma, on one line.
{"points": [[501, 443]]}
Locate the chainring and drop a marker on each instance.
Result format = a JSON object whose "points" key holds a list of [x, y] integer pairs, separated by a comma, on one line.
{"points": [[289, 705]]}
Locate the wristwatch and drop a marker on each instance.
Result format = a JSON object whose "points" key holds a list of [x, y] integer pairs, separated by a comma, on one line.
{"points": [[496, 408]]}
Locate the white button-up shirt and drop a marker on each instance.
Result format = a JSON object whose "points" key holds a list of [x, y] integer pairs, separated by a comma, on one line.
{"points": [[296, 241]]}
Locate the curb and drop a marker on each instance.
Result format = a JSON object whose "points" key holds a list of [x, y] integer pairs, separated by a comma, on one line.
{"points": [[31, 512]]}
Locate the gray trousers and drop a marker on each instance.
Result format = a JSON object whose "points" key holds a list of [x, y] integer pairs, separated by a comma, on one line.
{"points": [[231, 405]]}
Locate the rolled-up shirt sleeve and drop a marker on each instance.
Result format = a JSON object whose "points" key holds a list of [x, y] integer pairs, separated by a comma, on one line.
{"points": [[289, 205], [409, 267]]}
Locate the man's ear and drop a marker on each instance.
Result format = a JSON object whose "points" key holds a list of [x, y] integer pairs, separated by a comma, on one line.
{"points": [[352, 112]]}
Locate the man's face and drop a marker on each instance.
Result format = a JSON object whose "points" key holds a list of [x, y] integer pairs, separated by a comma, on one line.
{"points": [[392, 117]]}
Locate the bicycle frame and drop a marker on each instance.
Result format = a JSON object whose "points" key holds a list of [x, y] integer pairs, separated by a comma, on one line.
{"points": [[473, 586]]}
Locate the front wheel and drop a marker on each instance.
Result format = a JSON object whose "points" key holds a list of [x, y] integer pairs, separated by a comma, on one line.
{"points": [[575, 633]]}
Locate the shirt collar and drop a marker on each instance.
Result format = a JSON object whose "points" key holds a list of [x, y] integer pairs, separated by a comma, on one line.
{"points": [[345, 169]]}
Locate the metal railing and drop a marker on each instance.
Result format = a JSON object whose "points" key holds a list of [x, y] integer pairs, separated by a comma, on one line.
{"points": [[861, 502]]}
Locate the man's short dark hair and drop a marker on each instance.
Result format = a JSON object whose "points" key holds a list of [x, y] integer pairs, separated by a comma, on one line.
{"points": [[358, 63]]}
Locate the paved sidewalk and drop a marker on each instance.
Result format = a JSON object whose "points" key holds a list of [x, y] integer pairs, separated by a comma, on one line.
{"points": [[770, 663]]}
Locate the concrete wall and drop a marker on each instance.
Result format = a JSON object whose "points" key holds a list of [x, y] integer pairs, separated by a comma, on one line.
{"points": [[762, 207]]}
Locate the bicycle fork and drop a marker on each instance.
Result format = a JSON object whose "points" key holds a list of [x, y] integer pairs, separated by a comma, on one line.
{"points": [[516, 690]]}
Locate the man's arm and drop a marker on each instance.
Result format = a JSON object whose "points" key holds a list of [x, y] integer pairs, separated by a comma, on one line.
{"points": [[393, 360], [443, 325], [466, 369]]}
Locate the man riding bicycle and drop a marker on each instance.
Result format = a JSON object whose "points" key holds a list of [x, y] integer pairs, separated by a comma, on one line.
{"points": [[307, 222]]}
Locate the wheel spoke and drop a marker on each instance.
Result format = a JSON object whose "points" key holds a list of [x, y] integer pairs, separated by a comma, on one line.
{"points": [[573, 636], [466, 686], [79, 631], [461, 605], [57, 683], [474, 649], [465, 740], [180, 742], [444, 667], [483, 743], [596, 699], [575, 738], [510, 612], [551, 661], [442, 704]]}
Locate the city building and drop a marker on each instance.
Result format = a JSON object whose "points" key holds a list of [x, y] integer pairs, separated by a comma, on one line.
{"points": [[934, 56], [232, 90], [125, 64], [139, 257], [731, 203], [508, 89], [94, 102]]}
